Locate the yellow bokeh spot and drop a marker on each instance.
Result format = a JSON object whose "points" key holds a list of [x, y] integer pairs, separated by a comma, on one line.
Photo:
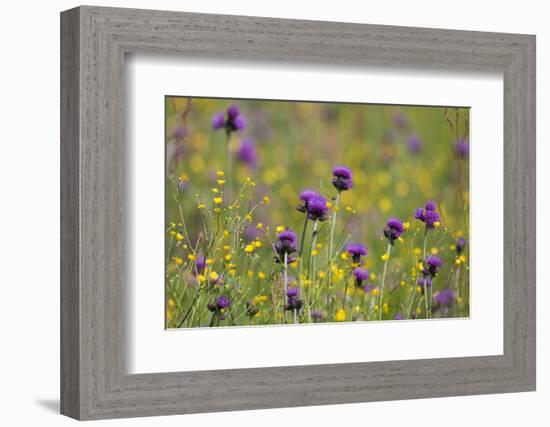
{"points": [[402, 189], [261, 275], [385, 204], [196, 163]]}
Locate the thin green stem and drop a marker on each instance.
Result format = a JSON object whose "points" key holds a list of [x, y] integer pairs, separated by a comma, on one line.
{"points": [[229, 165], [386, 261]]}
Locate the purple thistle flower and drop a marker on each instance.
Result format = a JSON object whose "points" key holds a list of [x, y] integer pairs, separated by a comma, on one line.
{"points": [[460, 245], [360, 274], [232, 111], [247, 153], [317, 209], [218, 121], [223, 302], [232, 121], [424, 281], [285, 244], [430, 206], [428, 214], [462, 148], [306, 196], [433, 263], [293, 292], [393, 230], [356, 250], [293, 300], [200, 263], [398, 316], [342, 178], [414, 144], [444, 298]]}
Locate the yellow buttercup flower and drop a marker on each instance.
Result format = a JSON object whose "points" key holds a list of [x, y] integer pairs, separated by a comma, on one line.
{"points": [[213, 275], [340, 315], [228, 257], [177, 260], [179, 236], [191, 257], [385, 257], [249, 248], [220, 173], [266, 200], [221, 181], [280, 229], [218, 200], [261, 275], [257, 243], [259, 226], [201, 206]]}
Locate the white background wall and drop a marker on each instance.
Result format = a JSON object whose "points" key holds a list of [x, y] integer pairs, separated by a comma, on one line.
{"points": [[29, 211]]}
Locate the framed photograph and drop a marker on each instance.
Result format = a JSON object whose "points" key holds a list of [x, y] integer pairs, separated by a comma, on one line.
{"points": [[277, 213]]}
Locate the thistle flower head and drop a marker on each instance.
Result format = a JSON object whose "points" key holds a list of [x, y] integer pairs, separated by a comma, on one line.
{"points": [[223, 302], [424, 282], [342, 178], [356, 250], [360, 274], [393, 230], [398, 316], [414, 144], [231, 121], [305, 197], [317, 209], [293, 299], [433, 263], [444, 298], [428, 214], [462, 148], [286, 243], [247, 153], [200, 263]]}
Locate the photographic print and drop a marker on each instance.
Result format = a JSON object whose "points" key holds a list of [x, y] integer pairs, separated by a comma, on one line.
{"points": [[289, 212]]}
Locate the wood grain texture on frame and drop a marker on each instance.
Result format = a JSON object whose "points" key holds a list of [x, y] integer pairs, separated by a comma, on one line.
{"points": [[94, 271]]}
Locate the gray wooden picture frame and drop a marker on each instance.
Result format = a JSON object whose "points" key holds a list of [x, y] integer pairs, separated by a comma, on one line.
{"points": [[94, 42]]}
